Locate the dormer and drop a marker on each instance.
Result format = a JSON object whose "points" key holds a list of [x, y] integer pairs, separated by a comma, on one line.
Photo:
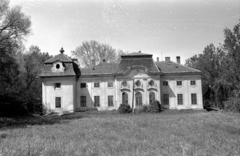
{"points": [[58, 67]]}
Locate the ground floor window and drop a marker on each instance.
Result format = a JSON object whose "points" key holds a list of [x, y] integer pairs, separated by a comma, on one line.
{"points": [[180, 99], [58, 102], [138, 97], [151, 97], [96, 101], [83, 101], [166, 99], [124, 98], [194, 99], [110, 100]]}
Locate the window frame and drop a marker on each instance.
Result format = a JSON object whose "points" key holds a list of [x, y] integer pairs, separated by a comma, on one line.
{"points": [[180, 100], [165, 83], [166, 99], [194, 82], [110, 101], [96, 84], [124, 97], [152, 98], [96, 101], [58, 85], [58, 105], [83, 84], [83, 103], [179, 85], [193, 100], [108, 84]]}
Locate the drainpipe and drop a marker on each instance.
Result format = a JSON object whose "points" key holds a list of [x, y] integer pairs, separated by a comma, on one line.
{"points": [[133, 98]]}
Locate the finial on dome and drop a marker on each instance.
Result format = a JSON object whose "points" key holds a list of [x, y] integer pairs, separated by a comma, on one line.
{"points": [[62, 50]]}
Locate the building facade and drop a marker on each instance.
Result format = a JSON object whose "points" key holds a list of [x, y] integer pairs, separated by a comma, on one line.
{"points": [[137, 80]]}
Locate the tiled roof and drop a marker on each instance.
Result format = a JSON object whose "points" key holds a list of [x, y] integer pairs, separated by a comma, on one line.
{"points": [[59, 57], [71, 69], [147, 63], [172, 67], [137, 54], [101, 69]]}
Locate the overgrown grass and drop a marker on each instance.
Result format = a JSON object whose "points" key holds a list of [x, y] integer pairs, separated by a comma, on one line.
{"points": [[100, 133]]}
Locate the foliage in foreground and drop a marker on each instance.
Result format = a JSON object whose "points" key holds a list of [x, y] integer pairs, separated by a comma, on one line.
{"points": [[124, 108]]}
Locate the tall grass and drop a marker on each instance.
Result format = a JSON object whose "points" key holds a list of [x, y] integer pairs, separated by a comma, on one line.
{"points": [[187, 133]]}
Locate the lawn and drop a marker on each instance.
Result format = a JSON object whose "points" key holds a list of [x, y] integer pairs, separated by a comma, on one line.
{"points": [[108, 133]]}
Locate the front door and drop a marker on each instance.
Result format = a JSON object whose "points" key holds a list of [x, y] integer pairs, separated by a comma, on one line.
{"points": [[138, 100]]}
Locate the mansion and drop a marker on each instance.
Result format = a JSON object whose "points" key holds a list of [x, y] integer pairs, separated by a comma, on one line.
{"points": [[137, 80]]}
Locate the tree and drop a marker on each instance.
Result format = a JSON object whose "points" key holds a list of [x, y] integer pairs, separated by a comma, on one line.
{"points": [[90, 50]]}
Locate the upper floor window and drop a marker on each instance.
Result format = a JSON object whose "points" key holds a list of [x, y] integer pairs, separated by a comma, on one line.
{"points": [[110, 84], [151, 82], [83, 85], [165, 83], [193, 82], [179, 83], [138, 83], [57, 85], [96, 84]]}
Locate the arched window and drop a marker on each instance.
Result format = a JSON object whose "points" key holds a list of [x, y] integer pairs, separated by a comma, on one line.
{"points": [[124, 98], [151, 97], [138, 97]]}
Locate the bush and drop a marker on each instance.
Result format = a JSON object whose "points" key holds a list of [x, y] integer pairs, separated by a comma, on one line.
{"points": [[232, 104], [155, 107], [124, 108]]}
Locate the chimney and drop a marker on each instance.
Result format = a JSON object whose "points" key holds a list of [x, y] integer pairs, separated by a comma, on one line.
{"points": [[178, 59], [167, 58], [157, 59], [93, 64], [104, 60]]}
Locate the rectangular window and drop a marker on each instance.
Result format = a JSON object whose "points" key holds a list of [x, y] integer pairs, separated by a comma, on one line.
{"points": [[179, 83], [180, 99], [83, 85], [58, 102], [96, 85], [165, 83], [110, 84], [193, 83], [57, 85], [110, 100], [83, 101], [166, 99], [96, 101], [194, 99]]}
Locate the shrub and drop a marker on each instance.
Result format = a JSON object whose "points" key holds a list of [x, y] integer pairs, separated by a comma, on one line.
{"points": [[232, 104], [155, 107], [124, 108]]}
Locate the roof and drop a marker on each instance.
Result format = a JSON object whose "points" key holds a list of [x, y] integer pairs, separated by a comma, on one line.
{"points": [[100, 69], [136, 55], [172, 67], [147, 63], [60, 57]]}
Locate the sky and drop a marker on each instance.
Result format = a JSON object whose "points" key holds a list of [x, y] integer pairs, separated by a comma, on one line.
{"points": [[164, 28]]}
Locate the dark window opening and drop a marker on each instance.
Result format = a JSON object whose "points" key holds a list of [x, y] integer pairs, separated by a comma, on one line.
{"points": [[83, 101], [180, 99], [96, 101], [193, 83], [96, 84], [138, 97], [110, 84], [57, 66], [110, 100], [179, 83], [165, 83], [124, 98], [83, 85], [151, 97], [58, 102], [194, 99], [166, 99], [57, 85]]}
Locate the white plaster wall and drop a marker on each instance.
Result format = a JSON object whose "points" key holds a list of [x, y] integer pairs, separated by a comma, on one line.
{"points": [[186, 89], [103, 91], [66, 92]]}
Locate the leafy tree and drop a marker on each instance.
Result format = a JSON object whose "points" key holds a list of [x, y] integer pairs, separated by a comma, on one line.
{"points": [[90, 50]]}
